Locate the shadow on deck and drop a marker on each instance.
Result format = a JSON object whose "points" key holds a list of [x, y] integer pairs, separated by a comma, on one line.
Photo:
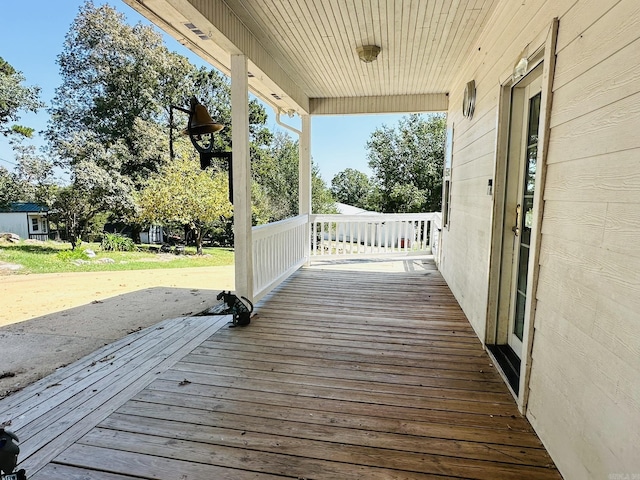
{"points": [[370, 373]]}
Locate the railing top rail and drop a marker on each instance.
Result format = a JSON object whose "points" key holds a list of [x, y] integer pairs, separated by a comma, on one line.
{"points": [[261, 231], [374, 217]]}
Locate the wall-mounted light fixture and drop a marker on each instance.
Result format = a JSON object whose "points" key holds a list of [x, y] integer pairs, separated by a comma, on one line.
{"points": [[368, 53], [520, 68], [469, 99]]}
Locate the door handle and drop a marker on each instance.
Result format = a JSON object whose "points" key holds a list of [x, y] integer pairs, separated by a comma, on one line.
{"points": [[516, 228]]}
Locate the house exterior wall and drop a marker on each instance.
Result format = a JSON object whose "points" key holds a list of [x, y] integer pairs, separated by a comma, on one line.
{"points": [[584, 388], [14, 222]]}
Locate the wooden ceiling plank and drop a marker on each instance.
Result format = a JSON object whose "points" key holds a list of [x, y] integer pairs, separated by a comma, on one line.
{"points": [[312, 43], [329, 56], [434, 38], [458, 36], [336, 49], [310, 22], [287, 18], [428, 24], [442, 33], [413, 53], [465, 46], [350, 22], [337, 38], [396, 21], [415, 58], [363, 37], [376, 80]]}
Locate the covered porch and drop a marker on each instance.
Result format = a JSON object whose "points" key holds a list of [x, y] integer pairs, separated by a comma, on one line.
{"points": [[349, 369]]}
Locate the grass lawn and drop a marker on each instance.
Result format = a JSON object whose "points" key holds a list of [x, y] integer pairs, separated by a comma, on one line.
{"points": [[57, 257]]}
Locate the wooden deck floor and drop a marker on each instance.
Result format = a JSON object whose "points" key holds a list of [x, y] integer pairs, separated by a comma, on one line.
{"points": [[341, 375]]}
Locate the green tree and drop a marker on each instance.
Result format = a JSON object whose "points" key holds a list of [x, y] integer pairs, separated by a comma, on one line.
{"points": [[407, 162], [14, 98], [71, 208], [97, 183], [352, 187], [35, 174], [322, 200], [117, 84], [113, 106], [276, 170], [10, 188], [183, 193]]}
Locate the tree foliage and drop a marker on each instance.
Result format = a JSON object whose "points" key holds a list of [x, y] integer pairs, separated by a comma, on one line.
{"points": [[10, 188], [276, 170], [407, 162], [31, 181], [35, 174], [117, 83], [111, 113], [322, 200], [183, 193], [14, 98], [352, 187], [72, 207], [276, 173]]}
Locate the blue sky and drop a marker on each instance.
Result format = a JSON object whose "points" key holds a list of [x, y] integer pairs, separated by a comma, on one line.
{"points": [[31, 37]]}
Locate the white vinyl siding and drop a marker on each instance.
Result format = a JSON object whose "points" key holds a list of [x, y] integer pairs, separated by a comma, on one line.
{"points": [[584, 398]]}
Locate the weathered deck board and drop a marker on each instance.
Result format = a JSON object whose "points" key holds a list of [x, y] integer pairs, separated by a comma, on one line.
{"points": [[51, 414], [341, 374]]}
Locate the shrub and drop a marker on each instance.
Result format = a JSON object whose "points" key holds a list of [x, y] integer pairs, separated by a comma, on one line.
{"points": [[117, 243]]}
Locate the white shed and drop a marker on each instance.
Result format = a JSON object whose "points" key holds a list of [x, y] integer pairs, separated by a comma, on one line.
{"points": [[28, 220]]}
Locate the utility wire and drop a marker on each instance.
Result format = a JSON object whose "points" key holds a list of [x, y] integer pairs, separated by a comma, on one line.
{"points": [[7, 161]]}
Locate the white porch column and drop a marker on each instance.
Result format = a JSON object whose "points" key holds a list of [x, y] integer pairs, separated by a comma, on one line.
{"points": [[243, 245], [304, 178], [304, 167]]}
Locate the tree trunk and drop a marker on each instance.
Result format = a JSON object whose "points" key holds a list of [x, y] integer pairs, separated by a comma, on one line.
{"points": [[199, 242], [135, 233]]}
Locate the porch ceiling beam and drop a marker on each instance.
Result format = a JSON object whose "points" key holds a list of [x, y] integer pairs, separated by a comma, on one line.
{"points": [[432, 102], [224, 35]]}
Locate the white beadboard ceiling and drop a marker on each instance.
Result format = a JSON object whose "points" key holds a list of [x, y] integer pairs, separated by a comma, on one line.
{"points": [[302, 53]]}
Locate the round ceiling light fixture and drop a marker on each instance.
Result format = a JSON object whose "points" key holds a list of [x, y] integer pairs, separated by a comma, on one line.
{"points": [[368, 53]]}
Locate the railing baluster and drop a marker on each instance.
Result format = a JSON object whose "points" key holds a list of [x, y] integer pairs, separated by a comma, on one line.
{"points": [[323, 238], [394, 228], [314, 238]]}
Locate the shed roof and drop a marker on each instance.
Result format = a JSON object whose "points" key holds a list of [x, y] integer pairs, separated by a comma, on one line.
{"points": [[28, 207], [346, 209]]}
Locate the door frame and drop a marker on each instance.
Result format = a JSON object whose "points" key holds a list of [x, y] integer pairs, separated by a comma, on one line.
{"points": [[544, 54]]}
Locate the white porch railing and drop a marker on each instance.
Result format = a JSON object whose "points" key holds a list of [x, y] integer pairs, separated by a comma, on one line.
{"points": [[279, 249], [371, 235], [437, 235]]}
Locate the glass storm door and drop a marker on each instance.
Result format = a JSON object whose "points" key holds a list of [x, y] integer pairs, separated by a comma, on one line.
{"points": [[524, 119], [522, 228], [521, 185]]}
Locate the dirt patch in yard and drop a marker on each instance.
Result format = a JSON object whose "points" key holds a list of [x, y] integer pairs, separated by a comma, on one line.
{"points": [[50, 320]]}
